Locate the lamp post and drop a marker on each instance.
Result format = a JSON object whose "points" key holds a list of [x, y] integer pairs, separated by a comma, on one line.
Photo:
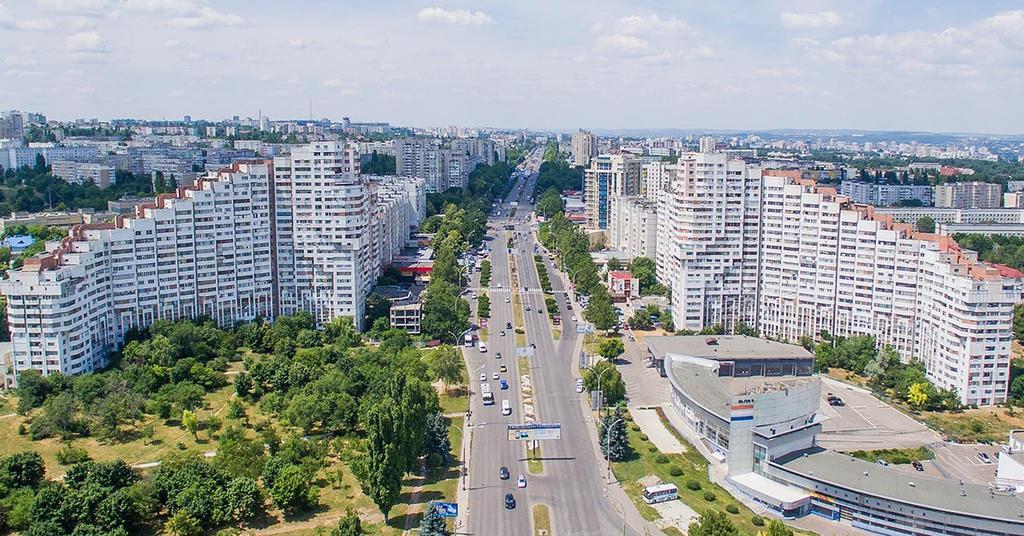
{"points": [[600, 388]]}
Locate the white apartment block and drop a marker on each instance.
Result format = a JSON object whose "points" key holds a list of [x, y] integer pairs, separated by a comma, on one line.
{"points": [[655, 178], [828, 264], [954, 215], [584, 148], [398, 206], [708, 238], [968, 195], [609, 176], [324, 240], [102, 175], [878, 194], [441, 168], [633, 226], [18, 157], [204, 251]]}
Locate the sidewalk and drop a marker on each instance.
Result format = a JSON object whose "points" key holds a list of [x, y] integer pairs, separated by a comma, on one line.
{"points": [[462, 487]]}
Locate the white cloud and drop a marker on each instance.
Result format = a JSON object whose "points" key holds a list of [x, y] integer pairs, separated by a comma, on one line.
{"points": [[160, 6], [342, 87], [454, 16], [300, 44], [824, 19], [19, 61], [86, 47], [620, 43], [648, 25], [9, 22], [80, 7], [205, 18]]}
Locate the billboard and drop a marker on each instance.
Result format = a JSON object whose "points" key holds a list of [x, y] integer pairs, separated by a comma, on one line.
{"points": [[534, 432]]}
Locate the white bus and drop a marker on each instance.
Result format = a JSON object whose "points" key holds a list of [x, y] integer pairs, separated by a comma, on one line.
{"points": [[488, 398], [660, 493], [506, 407]]}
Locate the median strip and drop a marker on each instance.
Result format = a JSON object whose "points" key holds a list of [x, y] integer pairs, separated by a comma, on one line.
{"points": [[541, 520]]}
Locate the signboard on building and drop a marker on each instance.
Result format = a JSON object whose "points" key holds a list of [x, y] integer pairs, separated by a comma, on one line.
{"points": [[742, 410], [534, 432], [447, 509]]}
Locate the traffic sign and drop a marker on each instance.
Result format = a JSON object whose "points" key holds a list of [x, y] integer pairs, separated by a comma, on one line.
{"points": [[534, 432], [447, 509]]}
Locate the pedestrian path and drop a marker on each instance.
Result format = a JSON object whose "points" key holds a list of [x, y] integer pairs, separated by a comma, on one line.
{"points": [[650, 423]]}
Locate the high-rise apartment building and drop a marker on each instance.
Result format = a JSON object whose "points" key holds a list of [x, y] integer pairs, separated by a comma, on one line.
{"points": [[883, 195], [633, 226], [968, 195], [708, 233], [12, 126], [655, 178], [830, 265], [323, 214], [441, 168], [584, 148], [609, 176], [203, 251]]}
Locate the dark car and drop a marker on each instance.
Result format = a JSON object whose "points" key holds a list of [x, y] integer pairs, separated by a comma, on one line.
{"points": [[510, 501], [508, 325], [918, 465], [503, 473]]}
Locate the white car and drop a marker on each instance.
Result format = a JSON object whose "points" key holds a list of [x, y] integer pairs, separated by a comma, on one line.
{"points": [[483, 377], [521, 482], [508, 300], [494, 375], [574, 319]]}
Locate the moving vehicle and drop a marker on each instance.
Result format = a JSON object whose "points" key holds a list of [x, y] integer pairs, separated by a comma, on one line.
{"points": [[502, 333], [510, 501], [507, 300], [488, 398], [504, 384], [506, 407], [521, 482], [483, 348], [503, 473], [497, 355], [503, 368], [468, 340], [494, 375], [483, 376], [508, 325], [660, 493]]}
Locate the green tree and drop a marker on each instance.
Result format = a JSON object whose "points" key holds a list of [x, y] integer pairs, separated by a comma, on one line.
{"points": [[612, 434], [245, 498], [432, 524], [644, 270], [600, 311], [190, 420], [611, 348], [446, 364], [742, 328], [292, 491], [640, 320], [32, 390], [445, 315], [712, 523], [918, 394], [182, 524], [776, 528], [437, 437], [925, 224], [385, 462], [612, 386], [23, 469], [349, 525]]}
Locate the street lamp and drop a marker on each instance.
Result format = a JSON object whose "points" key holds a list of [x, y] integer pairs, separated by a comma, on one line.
{"points": [[600, 386]]}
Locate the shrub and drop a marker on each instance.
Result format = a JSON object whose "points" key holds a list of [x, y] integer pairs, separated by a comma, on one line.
{"points": [[652, 449], [643, 437], [634, 428], [675, 471], [757, 521], [709, 497], [661, 458], [519, 331], [732, 509], [70, 455], [693, 485]]}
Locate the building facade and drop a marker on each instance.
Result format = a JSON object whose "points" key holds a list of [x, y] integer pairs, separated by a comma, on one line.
{"points": [[584, 148], [708, 240], [968, 195], [633, 226], [101, 175], [609, 176], [881, 195], [202, 251]]}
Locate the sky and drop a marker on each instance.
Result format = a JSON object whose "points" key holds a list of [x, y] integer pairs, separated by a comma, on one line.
{"points": [[954, 66]]}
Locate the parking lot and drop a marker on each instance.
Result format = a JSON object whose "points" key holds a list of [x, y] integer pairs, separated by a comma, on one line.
{"points": [[866, 423]]}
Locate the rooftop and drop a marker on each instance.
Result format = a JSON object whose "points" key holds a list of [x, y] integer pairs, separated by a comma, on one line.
{"points": [[725, 347], [715, 393], [885, 482], [620, 274]]}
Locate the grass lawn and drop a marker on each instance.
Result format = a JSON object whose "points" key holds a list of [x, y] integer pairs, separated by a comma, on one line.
{"points": [[165, 438], [984, 425], [454, 400], [483, 333], [844, 375], [541, 520], [896, 456], [643, 460], [517, 311]]}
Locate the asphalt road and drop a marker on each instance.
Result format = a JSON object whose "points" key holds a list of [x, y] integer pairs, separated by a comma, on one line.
{"points": [[571, 483]]}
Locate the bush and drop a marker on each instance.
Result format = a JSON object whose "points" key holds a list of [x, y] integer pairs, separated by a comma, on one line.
{"points": [[652, 449], [661, 458], [675, 471], [757, 521], [643, 437], [709, 497], [693, 485], [70, 455], [732, 509], [634, 428], [519, 331]]}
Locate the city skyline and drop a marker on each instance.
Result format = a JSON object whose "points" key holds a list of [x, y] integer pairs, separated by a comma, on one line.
{"points": [[922, 66]]}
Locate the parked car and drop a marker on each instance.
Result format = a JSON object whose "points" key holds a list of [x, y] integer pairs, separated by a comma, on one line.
{"points": [[917, 465], [985, 458], [883, 463]]}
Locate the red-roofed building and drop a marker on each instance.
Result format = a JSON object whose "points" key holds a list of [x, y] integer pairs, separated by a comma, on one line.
{"points": [[622, 284]]}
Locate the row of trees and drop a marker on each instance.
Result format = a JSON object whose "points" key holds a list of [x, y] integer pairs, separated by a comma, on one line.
{"points": [[885, 371], [484, 185], [565, 238]]}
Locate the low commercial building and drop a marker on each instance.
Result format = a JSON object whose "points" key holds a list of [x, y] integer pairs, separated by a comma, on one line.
{"points": [[1010, 470], [622, 285]]}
